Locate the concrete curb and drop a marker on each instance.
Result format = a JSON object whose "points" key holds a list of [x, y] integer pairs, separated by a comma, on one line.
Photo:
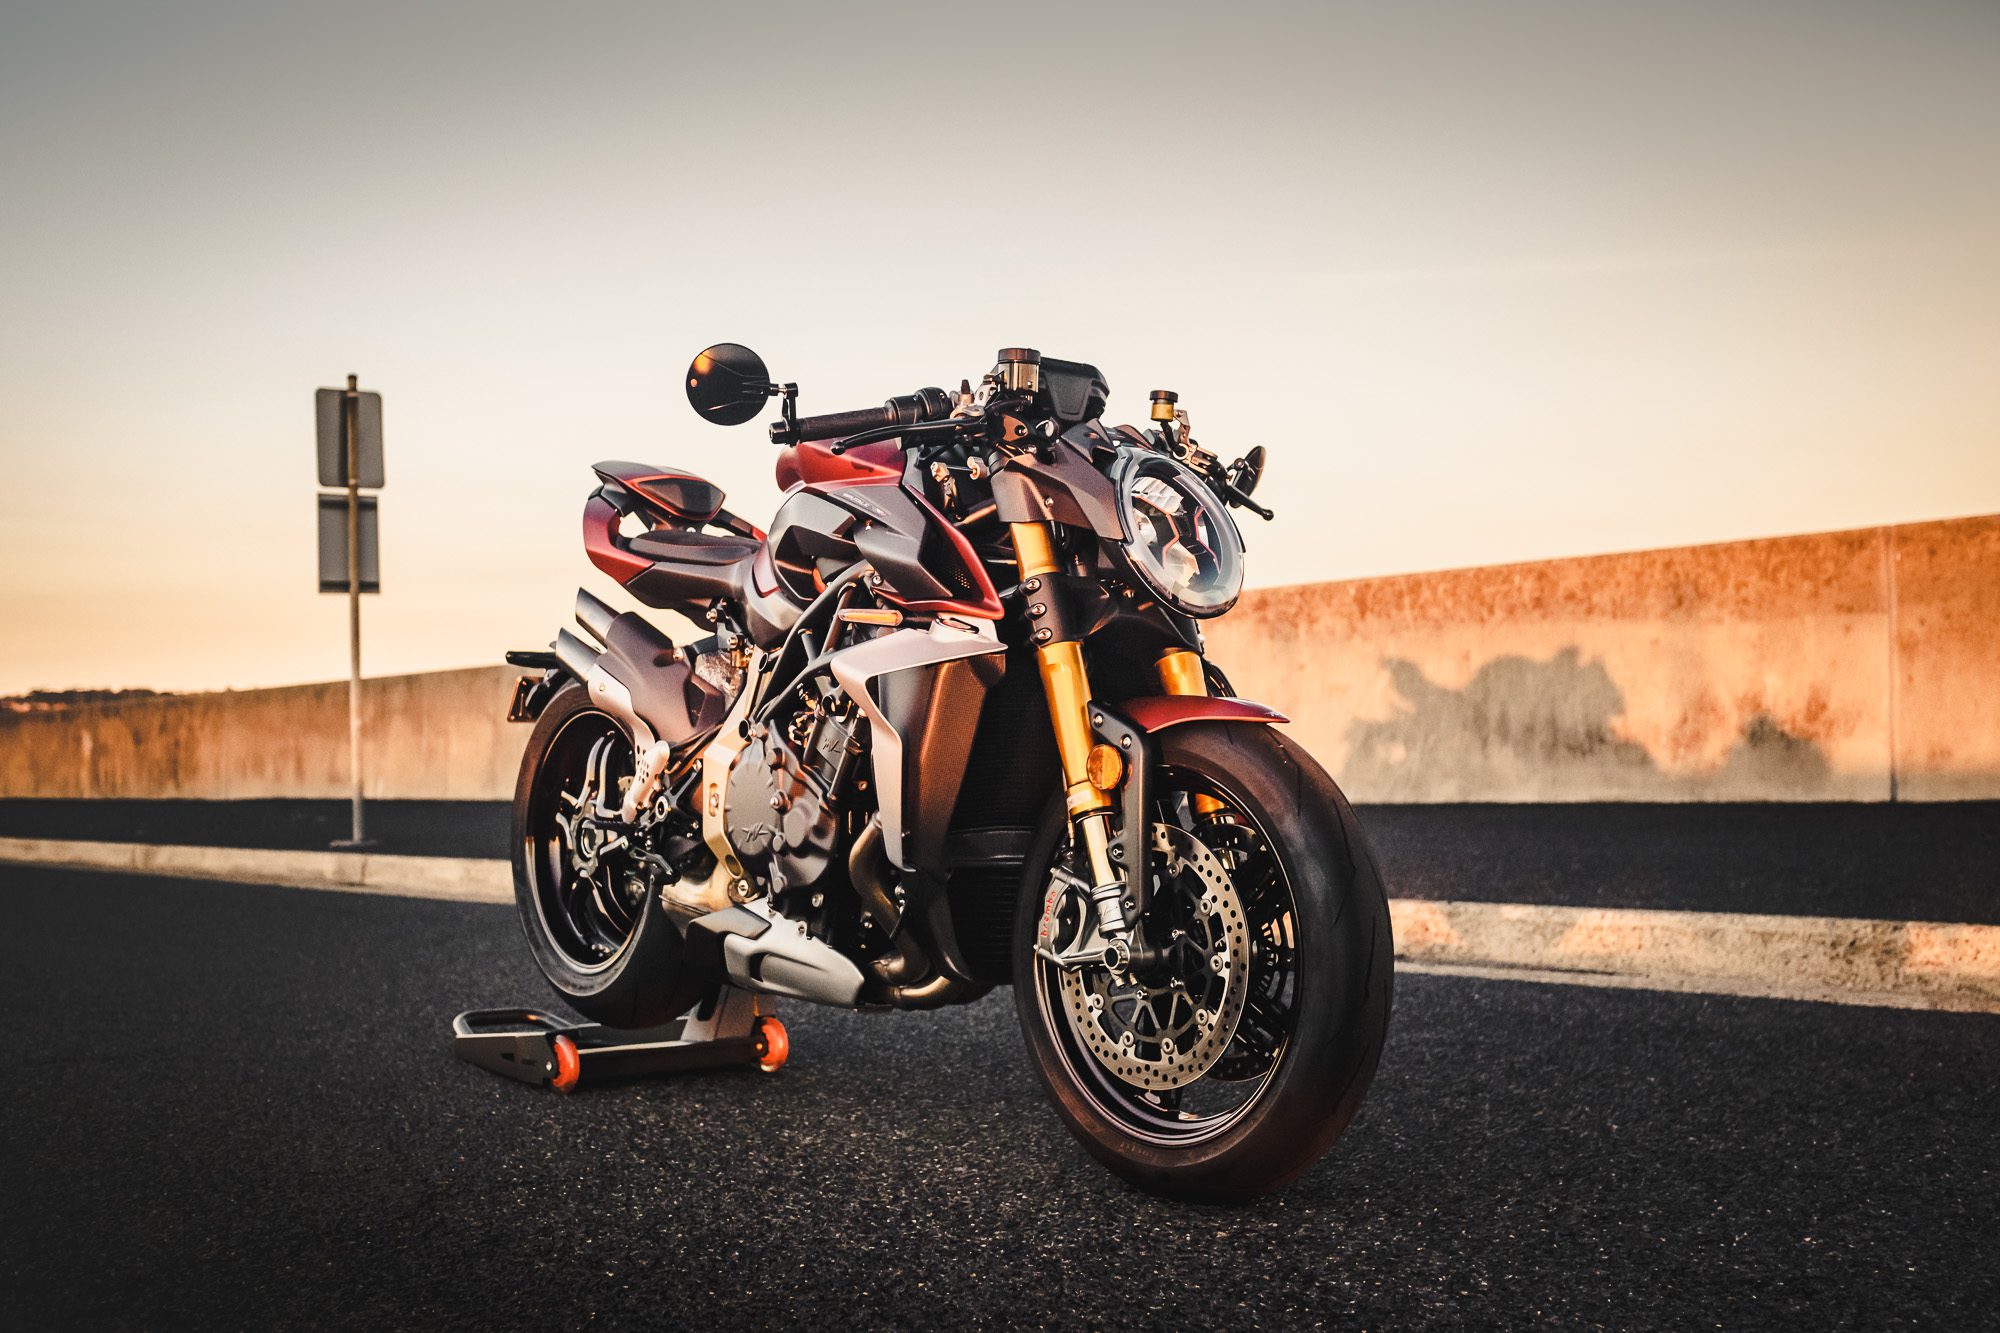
{"points": [[1911, 964], [1808, 957], [451, 878]]}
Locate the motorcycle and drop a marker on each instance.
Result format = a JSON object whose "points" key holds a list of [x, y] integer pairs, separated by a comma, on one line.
{"points": [[953, 728]]}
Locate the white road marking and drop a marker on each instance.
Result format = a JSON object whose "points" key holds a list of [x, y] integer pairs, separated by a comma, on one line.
{"points": [[453, 879], [1830, 960], [1741, 987]]}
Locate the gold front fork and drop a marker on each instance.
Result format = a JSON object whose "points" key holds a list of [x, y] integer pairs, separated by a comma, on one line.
{"points": [[1181, 673], [1067, 687]]}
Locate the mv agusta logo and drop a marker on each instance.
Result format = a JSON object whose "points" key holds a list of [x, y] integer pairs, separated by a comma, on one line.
{"points": [[953, 728]]}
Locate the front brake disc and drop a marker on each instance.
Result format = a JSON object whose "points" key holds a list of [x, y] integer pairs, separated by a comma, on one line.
{"points": [[1165, 1027]]}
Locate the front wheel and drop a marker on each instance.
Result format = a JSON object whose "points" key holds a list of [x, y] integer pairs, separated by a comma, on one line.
{"points": [[1238, 1042]]}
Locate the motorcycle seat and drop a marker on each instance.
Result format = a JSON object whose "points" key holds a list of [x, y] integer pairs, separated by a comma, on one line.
{"points": [[689, 566], [682, 546]]}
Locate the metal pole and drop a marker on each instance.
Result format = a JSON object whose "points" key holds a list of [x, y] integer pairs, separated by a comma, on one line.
{"points": [[351, 405]]}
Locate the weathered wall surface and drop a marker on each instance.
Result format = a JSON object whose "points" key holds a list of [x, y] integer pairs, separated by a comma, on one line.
{"points": [[1823, 667], [1826, 667], [442, 735], [1947, 583]]}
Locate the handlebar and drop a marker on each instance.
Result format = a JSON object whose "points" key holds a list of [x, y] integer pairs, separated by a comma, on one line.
{"points": [[833, 425], [908, 409]]}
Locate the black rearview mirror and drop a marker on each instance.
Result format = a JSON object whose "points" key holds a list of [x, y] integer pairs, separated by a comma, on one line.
{"points": [[728, 384]]}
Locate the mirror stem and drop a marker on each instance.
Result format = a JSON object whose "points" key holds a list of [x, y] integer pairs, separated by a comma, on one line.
{"points": [[789, 411]]}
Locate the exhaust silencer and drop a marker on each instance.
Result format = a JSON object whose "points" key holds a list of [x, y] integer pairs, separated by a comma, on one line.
{"points": [[641, 678], [595, 617], [576, 656]]}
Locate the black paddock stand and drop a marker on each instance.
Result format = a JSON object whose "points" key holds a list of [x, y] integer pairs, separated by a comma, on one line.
{"points": [[726, 1028]]}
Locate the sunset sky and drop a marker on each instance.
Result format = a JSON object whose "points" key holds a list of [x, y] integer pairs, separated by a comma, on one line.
{"points": [[1491, 282]]}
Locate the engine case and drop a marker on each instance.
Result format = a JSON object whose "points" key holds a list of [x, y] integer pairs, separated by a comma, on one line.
{"points": [[780, 808]]}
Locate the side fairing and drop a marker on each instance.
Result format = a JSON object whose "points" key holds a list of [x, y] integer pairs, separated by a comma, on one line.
{"points": [[921, 691], [811, 540]]}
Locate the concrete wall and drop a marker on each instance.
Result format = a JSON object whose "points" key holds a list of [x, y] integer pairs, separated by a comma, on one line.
{"points": [[442, 735], [1838, 666], [1947, 681]]}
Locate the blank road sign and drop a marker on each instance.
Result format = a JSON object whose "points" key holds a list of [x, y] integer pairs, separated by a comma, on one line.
{"points": [[333, 545], [333, 437]]}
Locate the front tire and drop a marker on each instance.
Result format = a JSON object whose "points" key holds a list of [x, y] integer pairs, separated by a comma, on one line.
{"points": [[601, 937], [1320, 980]]}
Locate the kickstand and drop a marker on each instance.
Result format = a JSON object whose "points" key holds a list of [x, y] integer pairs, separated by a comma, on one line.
{"points": [[726, 1028]]}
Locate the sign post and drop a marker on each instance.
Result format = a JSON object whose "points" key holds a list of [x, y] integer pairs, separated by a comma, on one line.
{"points": [[350, 454]]}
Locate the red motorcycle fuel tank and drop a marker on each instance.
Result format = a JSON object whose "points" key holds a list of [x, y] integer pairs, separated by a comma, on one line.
{"points": [[815, 463], [925, 563]]}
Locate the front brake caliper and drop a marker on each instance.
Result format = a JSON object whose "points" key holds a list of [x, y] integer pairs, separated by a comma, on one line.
{"points": [[1080, 943]]}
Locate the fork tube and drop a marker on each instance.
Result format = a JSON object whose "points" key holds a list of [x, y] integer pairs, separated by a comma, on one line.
{"points": [[1181, 673], [1066, 684]]}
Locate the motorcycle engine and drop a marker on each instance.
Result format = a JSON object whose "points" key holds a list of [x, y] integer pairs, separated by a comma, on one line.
{"points": [[786, 788]]}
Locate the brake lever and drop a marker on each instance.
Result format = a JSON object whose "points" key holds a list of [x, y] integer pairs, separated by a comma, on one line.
{"points": [[1236, 497], [912, 433]]}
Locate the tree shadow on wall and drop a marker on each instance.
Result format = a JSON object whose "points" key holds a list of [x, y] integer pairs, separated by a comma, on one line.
{"points": [[1523, 729], [1767, 757]]}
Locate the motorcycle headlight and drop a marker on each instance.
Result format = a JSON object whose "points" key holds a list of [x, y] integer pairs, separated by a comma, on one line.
{"points": [[1180, 540]]}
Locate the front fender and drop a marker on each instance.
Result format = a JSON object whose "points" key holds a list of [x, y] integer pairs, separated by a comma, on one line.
{"points": [[1160, 711], [1128, 727]]}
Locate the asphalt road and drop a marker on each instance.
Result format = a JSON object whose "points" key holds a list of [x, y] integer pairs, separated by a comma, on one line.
{"points": [[1901, 861], [236, 1107]]}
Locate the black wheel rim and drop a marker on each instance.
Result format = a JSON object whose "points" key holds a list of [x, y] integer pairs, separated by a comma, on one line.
{"points": [[587, 895], [1248, 1067]]}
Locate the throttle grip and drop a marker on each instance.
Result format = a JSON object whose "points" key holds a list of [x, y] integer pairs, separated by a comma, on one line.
{"points": [[903, 410], [833, 425]]}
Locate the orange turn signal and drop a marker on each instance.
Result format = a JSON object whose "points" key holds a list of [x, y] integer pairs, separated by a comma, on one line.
{"points": [[868, 615], [1105, 767]]}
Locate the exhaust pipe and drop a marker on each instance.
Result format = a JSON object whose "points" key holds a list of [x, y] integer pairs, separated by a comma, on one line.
{"points": [[576, 656], [770, 955], [594, 616], [867, 867], [939, 991], [868, 871], [631, 668]]}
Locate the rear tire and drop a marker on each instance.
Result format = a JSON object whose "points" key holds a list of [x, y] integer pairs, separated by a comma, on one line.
{"points": [[1342, 962], [639, 981]]}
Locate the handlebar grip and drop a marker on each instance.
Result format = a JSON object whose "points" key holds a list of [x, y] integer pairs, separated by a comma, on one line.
{"points": [[907, 409], [834, 425]]}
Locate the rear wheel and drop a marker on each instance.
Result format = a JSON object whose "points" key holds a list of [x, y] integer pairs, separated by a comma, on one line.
{"points": [[597, 932], [1239, 1042]]}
